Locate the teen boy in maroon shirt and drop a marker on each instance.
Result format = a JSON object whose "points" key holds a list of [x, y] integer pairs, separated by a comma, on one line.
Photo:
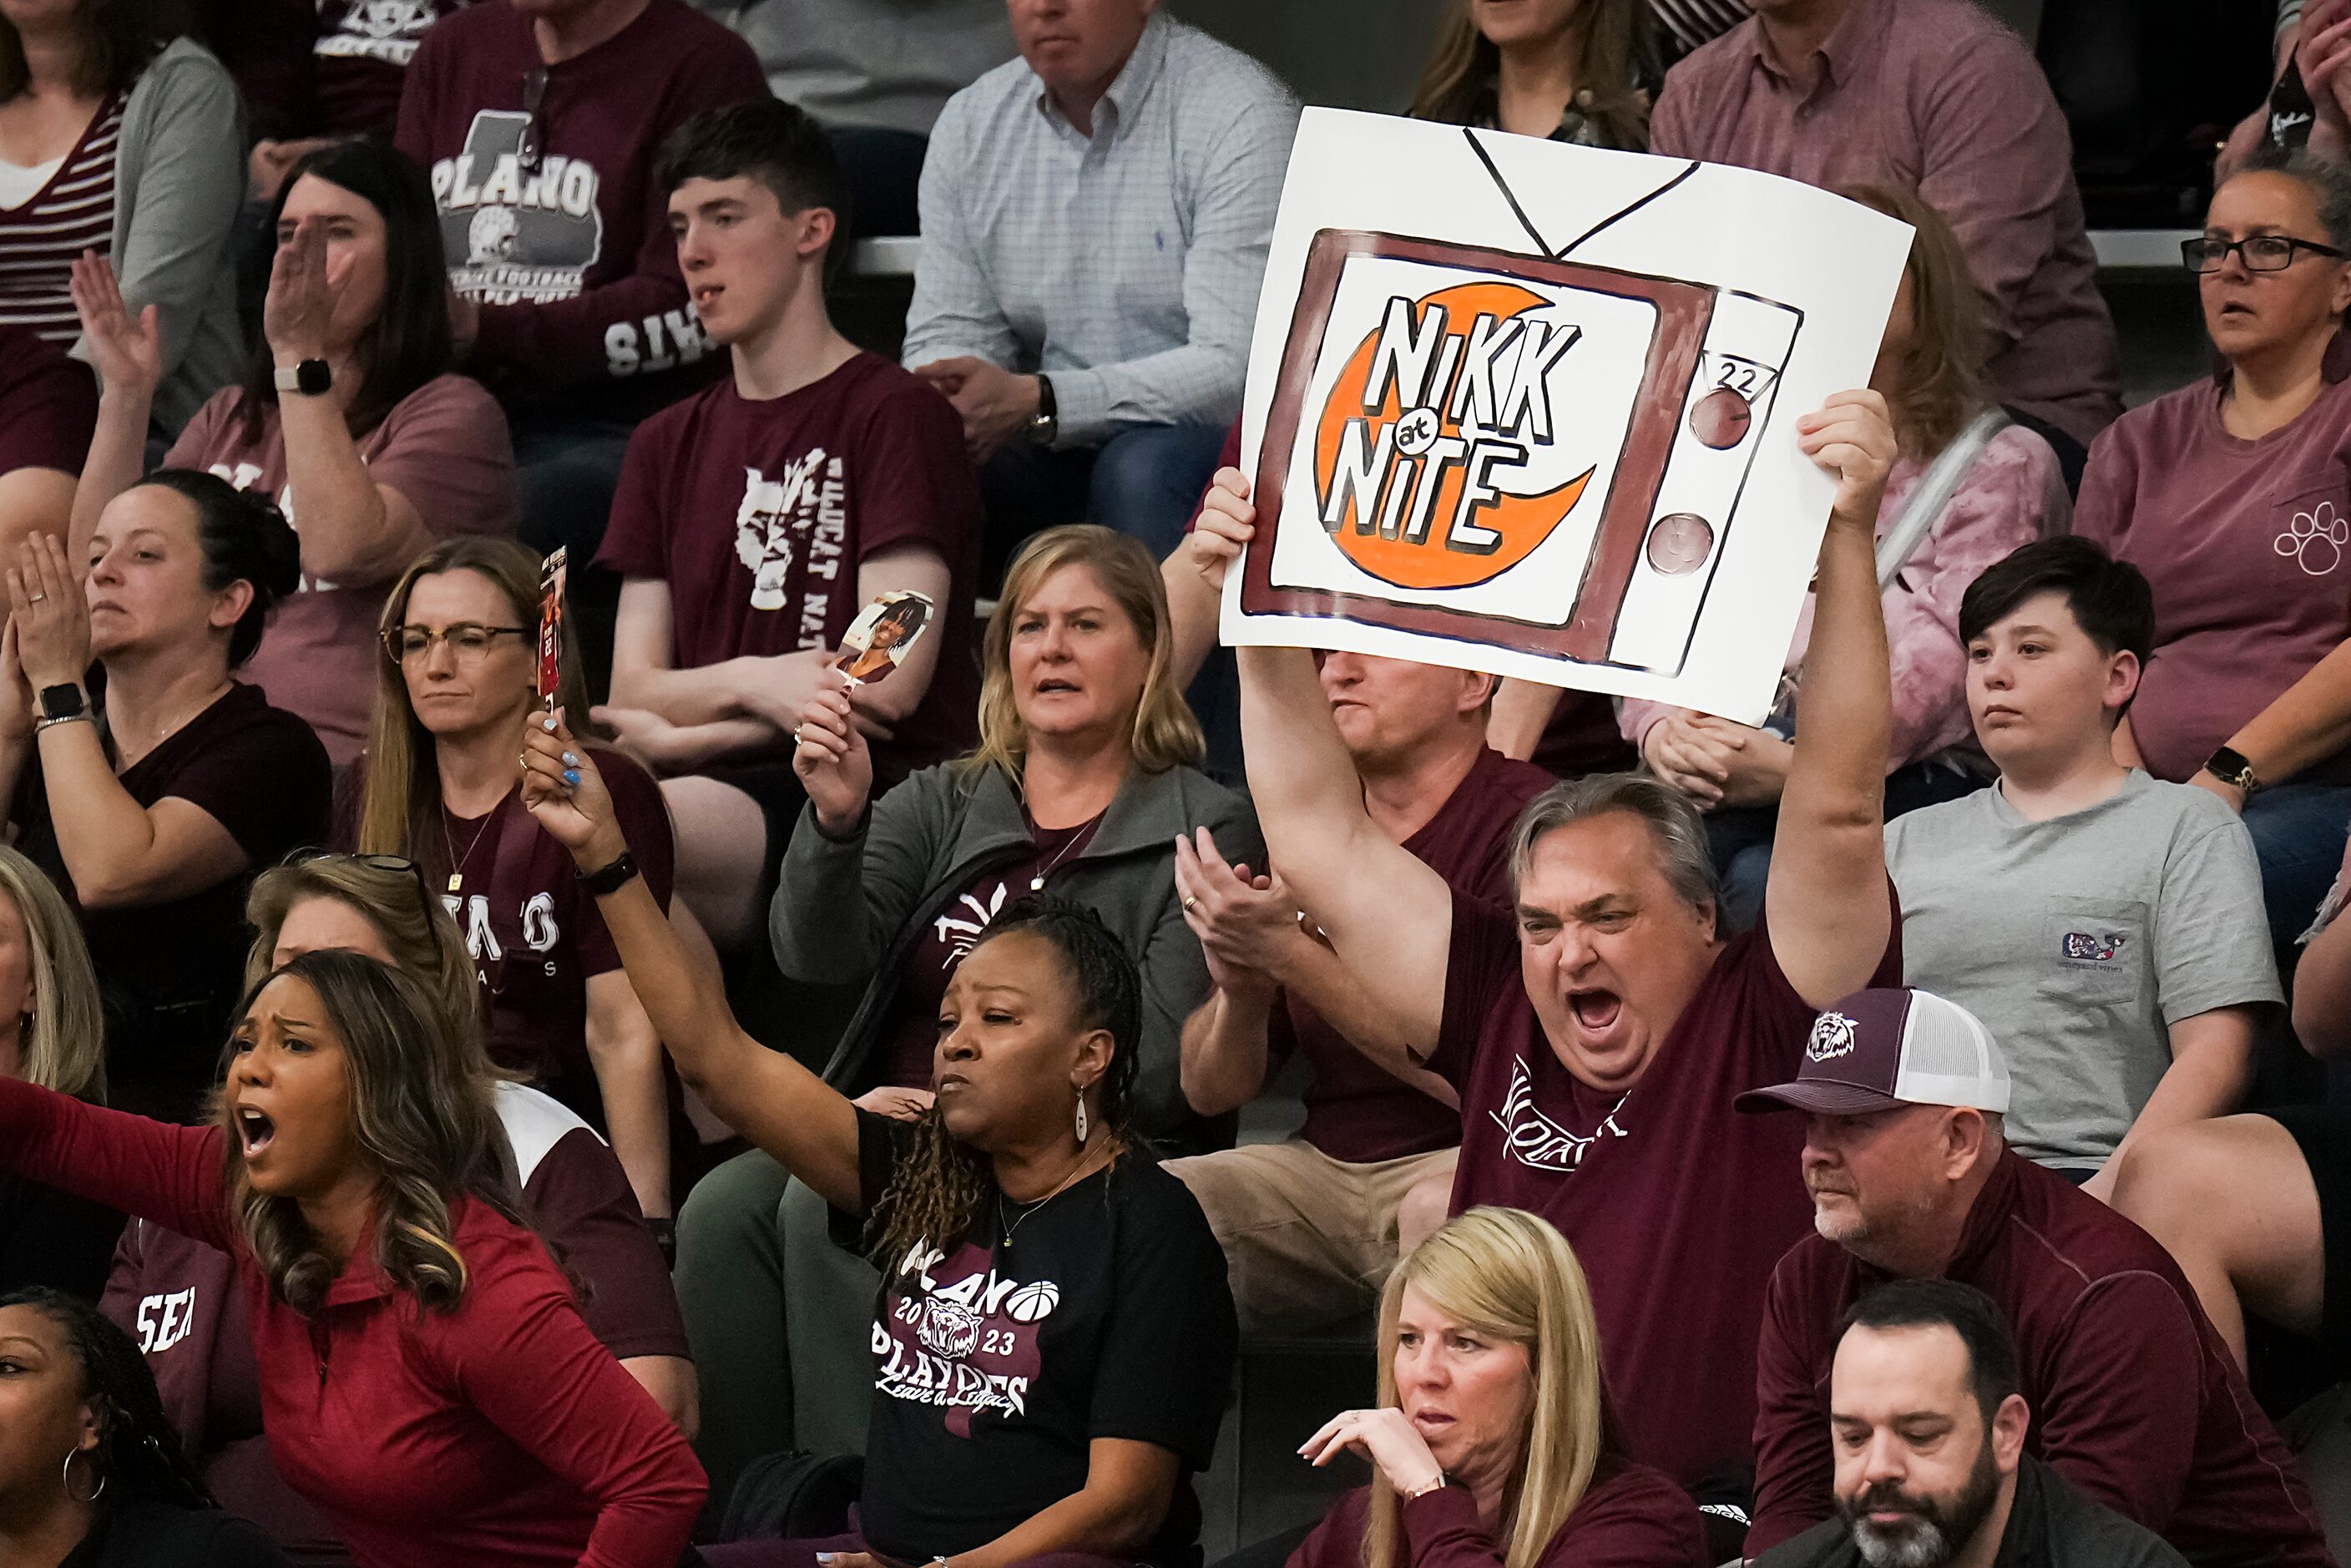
{"points": [[757, 518], [1310, 1225], [2135, 1400], [1597, 1041], [537, 120]]}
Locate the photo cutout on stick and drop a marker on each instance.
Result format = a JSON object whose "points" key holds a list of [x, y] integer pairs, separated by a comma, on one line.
{"points": [[883, 633]]}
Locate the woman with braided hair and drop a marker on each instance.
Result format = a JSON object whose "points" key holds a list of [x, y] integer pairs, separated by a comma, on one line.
{"points": [[91, 1472], [1055, 1336]]}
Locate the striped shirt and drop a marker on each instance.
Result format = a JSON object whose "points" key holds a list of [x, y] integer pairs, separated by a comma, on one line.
{"points": [[40, 240], [1685, 25], [1125, 264]]}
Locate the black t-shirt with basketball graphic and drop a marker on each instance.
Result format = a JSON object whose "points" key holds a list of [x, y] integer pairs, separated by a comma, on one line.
{"points": [[758, 514], [549, 213], [1106, 1314]]}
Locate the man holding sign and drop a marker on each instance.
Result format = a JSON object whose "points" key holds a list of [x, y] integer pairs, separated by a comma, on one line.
{"points": [[1598, 1039]]}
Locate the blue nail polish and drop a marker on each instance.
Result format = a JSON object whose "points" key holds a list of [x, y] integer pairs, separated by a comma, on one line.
{"points": [[571, 776]]}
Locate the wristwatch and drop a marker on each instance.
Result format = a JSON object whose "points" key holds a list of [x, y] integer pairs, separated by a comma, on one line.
{"points": [[2232, 769], [63, 701], [1046, 423], [609, 877], [311, 378]]}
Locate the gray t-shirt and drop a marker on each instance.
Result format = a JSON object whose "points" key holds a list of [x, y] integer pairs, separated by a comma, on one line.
{"points": [[2080, 940]]}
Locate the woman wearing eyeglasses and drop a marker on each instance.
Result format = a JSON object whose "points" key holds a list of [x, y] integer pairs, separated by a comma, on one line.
{"points": [[456, 678], [153, 807], [2233, 496]]}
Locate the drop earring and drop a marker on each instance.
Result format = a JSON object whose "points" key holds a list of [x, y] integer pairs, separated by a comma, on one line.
{"points": [[1081, 1120]]}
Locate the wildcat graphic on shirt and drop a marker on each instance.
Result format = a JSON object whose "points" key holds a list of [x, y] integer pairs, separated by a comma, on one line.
{"points": [[954, 1333], [386, 30], [799, 518], [515, 234]]}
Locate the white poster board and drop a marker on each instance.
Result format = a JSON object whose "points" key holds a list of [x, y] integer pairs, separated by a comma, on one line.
{"points": [[1530, 408]]}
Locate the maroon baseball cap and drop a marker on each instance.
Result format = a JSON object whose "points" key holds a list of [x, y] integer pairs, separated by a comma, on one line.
{"points": [[1879, 1049]]}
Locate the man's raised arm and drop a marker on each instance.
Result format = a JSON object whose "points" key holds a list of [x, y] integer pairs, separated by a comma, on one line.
{"points": [[1388, 916], [1826, 905]]}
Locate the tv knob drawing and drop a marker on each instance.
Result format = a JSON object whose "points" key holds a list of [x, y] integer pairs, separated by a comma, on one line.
{"points": [[1461, 435]]}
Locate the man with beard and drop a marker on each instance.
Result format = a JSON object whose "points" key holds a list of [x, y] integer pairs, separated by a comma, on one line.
{"points": [[1929, 1434], [2135, 1401]]}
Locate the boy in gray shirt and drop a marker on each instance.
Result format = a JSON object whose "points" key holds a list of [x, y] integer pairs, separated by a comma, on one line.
{"points": [[2106, 927]]}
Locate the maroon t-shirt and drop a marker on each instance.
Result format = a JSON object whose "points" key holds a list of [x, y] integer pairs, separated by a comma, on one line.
{"points": [[914, 1026], [1631, 1517], [361, 61], [1356, 1109], [1677, 1206], [2135, 1399], [48, 405], [758, 515], [582, 303], [178, 1298]]}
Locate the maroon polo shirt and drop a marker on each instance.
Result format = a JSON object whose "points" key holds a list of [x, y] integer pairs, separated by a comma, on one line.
{"points": [[1677, 1205], [1356, 1109], [2135, 1399], [1938, 96]]}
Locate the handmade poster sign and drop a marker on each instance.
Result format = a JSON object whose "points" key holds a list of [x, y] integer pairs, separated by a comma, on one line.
{"points": [[1527, 407], [882, 634]]}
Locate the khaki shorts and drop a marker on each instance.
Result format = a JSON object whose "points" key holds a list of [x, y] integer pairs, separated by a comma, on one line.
{"points": [[1308, 1239]]}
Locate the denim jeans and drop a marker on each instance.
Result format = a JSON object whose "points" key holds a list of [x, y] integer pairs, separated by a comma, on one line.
{"points": [[2298, 834], [1144, 482], [565, 470], [1741, 837]]}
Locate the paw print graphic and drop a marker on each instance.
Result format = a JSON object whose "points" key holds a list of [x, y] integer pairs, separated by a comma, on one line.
{"points": [[2315, 539]]}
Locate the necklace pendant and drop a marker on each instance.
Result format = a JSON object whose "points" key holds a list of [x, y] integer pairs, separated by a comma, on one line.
{"points": [[456, 882], [1036, 885]]}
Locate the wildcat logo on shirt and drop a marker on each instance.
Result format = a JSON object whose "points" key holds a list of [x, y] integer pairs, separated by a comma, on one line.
{"points": [[954, 1333], [1833, 1035], [801, 515], [386, 30], [1437, 463], [2091, 947], [1533, 1139]]}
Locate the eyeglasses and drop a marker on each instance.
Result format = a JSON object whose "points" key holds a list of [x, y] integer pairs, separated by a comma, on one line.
{"points": [[2261, 253], [469, 644], [528, 150]]}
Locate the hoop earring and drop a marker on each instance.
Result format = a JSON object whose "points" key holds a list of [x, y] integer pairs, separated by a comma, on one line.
{"points": [[1081, 1120], [66, 1477]]}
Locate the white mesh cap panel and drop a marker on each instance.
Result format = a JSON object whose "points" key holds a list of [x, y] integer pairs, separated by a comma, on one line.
{"points": [[1948, 1058]]}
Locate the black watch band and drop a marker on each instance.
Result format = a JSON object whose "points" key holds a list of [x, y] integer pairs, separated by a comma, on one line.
{"points": [[609, 877], [2231, 768]]}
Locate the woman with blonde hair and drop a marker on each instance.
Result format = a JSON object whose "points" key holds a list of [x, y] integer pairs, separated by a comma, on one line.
{"points": [[1085, 775], [51, 1034], [1981, 486], [1568, 71], [456, 676], [1493, 1441]]}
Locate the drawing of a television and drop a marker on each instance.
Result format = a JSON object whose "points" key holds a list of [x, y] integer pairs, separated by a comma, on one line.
{"points": [[1460, 435]]}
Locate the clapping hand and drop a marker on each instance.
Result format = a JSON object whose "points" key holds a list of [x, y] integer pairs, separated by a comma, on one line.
{"points": [[297, 316], [48, 614], [16, 692], [1242, 918], [128, 351], [2323, 52]]}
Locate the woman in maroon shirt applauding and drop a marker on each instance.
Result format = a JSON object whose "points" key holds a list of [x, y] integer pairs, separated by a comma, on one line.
{"points": [[425, 1379], [1494, 1445]]}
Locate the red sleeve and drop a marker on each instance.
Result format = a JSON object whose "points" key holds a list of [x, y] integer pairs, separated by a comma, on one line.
{"points": [[582, 1200], [519, 1354], [1794, 1469], [636, 532], [1483, 958], [1338, 1541], [152, 1170], [2120, 1407], [563, 342], [643, 819], [922, 489]]}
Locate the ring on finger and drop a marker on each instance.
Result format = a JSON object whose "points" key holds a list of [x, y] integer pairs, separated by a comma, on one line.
{"points": [[1191, 904]]}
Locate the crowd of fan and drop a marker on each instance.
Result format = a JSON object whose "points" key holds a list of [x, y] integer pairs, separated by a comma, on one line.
{"points": [[1872, 1137]]}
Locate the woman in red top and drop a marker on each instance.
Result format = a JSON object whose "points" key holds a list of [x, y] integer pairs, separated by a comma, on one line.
{"points": [[1493, 1445], [425, 1379]]}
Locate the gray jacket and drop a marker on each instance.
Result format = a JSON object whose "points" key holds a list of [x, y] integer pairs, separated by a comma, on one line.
{"points": [[179, 179], [852, 911]]}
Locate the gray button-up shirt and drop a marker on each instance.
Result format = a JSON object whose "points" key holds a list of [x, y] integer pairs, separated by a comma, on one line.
{"points": [[1126, 264]]}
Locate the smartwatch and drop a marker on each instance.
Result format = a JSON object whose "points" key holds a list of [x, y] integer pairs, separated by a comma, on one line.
{"points": [[612, 876], [2231, 768], [311, 378], [1046, 423], [62, 703]]}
